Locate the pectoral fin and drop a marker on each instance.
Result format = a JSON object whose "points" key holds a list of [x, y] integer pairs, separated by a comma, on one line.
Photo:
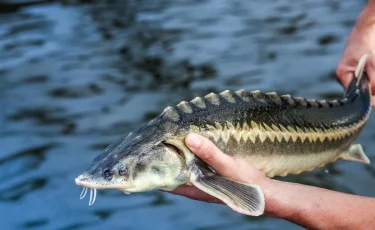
{"points": [[247, 199], [355, 153]]}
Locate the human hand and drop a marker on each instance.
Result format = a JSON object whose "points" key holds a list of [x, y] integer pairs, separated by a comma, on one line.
{"points": [[307, 206], [361, 41], [225, 165]]}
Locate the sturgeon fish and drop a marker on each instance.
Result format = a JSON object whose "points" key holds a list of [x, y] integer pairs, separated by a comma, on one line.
{"points": [[280, 135]]}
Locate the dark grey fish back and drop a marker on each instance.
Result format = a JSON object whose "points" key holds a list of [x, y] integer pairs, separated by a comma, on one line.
{"points": [[285, 110]]}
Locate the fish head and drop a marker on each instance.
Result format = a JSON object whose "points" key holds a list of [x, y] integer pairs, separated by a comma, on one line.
{"points": [[140, 162]]}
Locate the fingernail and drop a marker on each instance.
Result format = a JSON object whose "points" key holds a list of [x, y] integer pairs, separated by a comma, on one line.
{"points": [[193, 140]]}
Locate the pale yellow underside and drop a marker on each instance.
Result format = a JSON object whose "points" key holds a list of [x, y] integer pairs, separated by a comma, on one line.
{"points": [[282, 165]]}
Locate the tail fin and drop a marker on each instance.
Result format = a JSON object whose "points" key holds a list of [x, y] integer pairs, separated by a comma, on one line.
{"points": [[360, 82]]}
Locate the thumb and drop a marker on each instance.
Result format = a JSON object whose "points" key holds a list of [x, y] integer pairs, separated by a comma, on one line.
{"points": [[209, 153]]}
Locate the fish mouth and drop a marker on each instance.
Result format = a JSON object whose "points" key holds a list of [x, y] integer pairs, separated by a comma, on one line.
{"points": [[87, 186], [93, 187]]}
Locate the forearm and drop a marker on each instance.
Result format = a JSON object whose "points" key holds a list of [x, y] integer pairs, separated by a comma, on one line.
{"points": [[317, 208]]}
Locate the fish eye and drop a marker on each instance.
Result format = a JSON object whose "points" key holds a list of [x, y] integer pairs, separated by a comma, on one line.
{"points": [[108, 174], [123, 170]]}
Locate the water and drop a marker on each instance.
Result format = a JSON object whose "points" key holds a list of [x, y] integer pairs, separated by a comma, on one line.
{"points": [[76, 75]]}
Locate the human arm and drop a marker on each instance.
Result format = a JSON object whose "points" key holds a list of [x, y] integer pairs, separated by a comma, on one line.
{"points": [[360, 42], [307, 206]]}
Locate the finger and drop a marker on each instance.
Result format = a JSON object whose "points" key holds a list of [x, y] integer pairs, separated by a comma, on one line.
{"points": [[345, 70], [208, 152], [344, 75], [194, 193], [373, 101]]}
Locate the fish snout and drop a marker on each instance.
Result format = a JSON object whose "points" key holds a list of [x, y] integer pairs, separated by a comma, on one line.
{"points": [[77, 180], [82, 180]]}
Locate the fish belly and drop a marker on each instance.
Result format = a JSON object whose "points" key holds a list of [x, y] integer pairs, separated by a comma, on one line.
{"points": [[282, 165]]}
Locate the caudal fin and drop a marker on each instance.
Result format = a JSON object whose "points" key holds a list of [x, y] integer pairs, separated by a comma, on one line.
{"points": [[359, 91], [360, 82]]}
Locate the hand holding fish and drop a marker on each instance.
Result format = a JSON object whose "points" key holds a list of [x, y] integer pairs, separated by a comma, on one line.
{"points": [[361, 41], [222, 164], [307, 206]]}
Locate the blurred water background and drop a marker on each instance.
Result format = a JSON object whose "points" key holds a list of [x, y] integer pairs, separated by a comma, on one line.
{"points": [[76, 75]]}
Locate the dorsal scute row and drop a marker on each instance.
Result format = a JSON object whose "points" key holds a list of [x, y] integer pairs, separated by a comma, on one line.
{"points": [[245, 97], [287, 99]]}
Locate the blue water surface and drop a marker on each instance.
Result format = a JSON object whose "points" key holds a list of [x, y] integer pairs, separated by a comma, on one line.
{"points": [[76, 75]]}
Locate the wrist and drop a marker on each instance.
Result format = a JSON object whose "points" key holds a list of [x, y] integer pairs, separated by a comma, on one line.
{"points": [[271, 207], [277, 203]]}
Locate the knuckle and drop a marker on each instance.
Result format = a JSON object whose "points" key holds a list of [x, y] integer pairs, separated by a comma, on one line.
{"points": [[339, 73]]}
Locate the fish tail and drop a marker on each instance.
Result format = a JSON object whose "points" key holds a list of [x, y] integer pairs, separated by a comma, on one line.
{"points": [[359, 88], [360, 81]]}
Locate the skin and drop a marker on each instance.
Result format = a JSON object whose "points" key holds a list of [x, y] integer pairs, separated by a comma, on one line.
{"points": [[307, 206]]}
